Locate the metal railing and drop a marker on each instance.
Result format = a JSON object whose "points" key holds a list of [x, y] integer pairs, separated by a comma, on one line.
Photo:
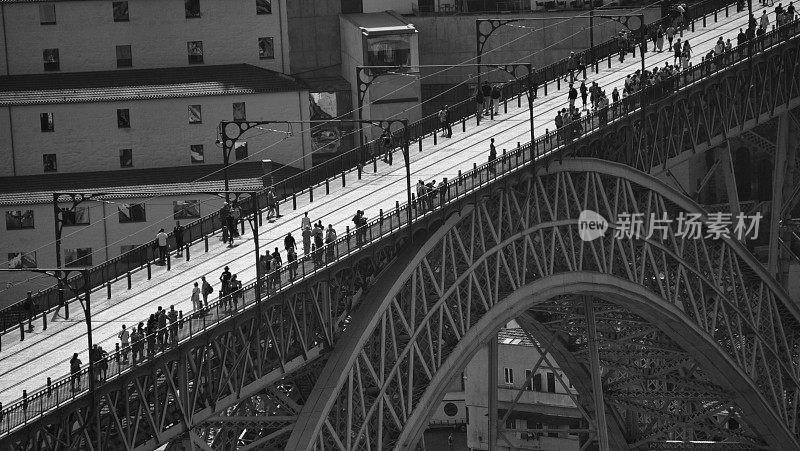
{"points": [[145, 255], [388, 223]]}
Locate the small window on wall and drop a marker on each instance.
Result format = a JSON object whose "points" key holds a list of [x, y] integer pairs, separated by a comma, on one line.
{"points": [[131, 213], [47, 14], [186, 209], [389, 51], [266, 48], [120, 11], [19, 219], [195, 51], [51, 60], [195, 114], [192, 8], [81, 256], [123, 118], [46, 120], [240, 150], [126, 158], [239, 113], [197, 154], [20, 260], [263, 7], [509, 375], [124, 56], [49, 162], [74, 217]]}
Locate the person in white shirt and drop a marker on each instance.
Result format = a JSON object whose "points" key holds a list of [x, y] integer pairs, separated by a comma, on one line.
{"points": [[161, 237], [196, 297], [305, 222], [124, 337]]}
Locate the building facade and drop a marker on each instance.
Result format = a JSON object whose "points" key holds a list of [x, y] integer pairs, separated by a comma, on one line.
{"points": [[545, 402]]}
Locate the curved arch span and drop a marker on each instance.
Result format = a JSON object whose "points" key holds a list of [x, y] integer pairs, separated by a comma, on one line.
{"points": [[381, 370]]}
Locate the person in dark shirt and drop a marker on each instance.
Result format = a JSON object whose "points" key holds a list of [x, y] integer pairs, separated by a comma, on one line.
{"points": [[178, 233]]}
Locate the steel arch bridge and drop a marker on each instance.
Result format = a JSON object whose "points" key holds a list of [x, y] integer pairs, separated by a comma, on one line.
{"points": [[264, 377]]}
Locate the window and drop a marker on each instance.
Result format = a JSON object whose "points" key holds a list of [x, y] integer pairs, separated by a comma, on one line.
{"points": [[197, 153], [47, 121], [51, 61], [528, 380], [124, 57], [123, 118], [126, 158], [81, 256], [551, 383], [47, 14], [195, 50], [120, 11], [49, 162], [266, 48], [192, 8], [240, 150], [131, 213], [263, 7], [186, 209], [511, 423], [509, 374], [195, 114], [352, 6], [389, 51], [78, 216], [239, 112], [19, 260], [19, 219], [537, 382]]}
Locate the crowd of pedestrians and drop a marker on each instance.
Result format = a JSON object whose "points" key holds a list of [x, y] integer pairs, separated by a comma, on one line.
{"points": [[160, 330]]}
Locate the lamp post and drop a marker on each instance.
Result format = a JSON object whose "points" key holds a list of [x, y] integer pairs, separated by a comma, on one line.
{"points": [[366, 75], [62, 275], [231, 131]]}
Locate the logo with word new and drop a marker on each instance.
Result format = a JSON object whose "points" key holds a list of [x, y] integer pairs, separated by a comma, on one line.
{"points": [[591, 225]]}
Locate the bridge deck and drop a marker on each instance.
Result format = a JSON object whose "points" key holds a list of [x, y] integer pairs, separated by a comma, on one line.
{"points": [[25, 365]]}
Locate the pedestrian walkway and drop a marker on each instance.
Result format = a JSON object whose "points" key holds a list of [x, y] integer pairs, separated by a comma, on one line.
{"points": [[25, 365]]}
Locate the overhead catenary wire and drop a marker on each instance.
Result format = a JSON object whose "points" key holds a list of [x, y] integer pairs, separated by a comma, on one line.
{"points": [[465, 63]]}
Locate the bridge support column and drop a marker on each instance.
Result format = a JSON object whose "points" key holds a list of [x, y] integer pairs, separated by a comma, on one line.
{"points": [[726, 164], [597, 382], [778, 180], [492, 388]]}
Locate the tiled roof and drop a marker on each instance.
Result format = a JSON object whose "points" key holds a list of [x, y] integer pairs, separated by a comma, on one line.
{"points": [[174, 180], [513, 336], [142, 84]]}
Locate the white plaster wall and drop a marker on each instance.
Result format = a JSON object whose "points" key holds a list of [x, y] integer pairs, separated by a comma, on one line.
{"points": [[86, 34], [105, 237], [86, 136]]}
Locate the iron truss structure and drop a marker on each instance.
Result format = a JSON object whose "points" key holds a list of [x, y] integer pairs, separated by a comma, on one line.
{"points": [[693, 335]]}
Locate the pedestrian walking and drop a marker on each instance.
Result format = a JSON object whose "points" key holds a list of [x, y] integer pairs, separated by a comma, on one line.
{"points": [[584, 93], [291, 261], [124, 338], [319, 243], [206, 290], [224, 214], [492, 156], [196, 304], [420, 197], [102, 363], [75, 369], [288, 241], [670, 32], [573, 96], [330, 238], [448, 127], [660, 38], [136, 344], [572, 65], [272, 204], [236, 290], [478, 102], [276, 268], [496, 94], [161, 240], [177, 232], [678, 49], [305, 222], [486, 91], [224, 289], [162, 327], [172, 316], [306, 240], [443, 122]]}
